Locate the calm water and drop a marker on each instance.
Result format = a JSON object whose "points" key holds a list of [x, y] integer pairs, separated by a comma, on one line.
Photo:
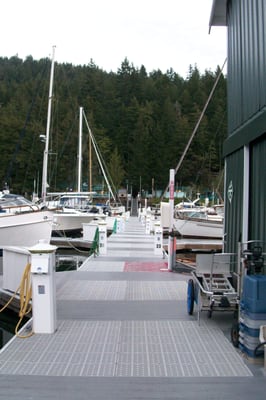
{"points": [[69, 261], [8, 322]]}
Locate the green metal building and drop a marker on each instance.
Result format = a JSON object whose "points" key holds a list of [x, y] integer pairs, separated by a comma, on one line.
{"points": [[245, 146]]}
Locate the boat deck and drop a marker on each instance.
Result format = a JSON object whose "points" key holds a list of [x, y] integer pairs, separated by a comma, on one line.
{"points": [[124, 333]]}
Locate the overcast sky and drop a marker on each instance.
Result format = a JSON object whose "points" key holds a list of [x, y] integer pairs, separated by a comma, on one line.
{"points": [[159, 34]]}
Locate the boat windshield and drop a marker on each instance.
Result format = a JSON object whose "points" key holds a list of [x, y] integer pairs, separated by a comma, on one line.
{"points": [[77, 202], [9, 200]]}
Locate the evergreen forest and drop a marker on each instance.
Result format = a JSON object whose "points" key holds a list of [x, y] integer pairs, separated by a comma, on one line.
{"points": [[141, 121]]}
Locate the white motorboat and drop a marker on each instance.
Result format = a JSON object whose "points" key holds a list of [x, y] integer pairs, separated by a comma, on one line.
{"points": [[14, 203], [70, 224], [26, 228], [198, 225], [71, 211], [22, 223], [76, 209]]}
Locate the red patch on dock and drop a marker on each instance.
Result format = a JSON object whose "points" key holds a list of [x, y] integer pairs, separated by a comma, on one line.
{"points": [[145, 266]]}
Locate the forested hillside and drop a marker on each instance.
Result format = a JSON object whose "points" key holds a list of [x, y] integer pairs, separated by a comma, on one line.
{"points": [[141, 121]]}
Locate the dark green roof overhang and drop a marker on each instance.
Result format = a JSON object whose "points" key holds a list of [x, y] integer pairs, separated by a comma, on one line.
{"points": [[218, 13]]}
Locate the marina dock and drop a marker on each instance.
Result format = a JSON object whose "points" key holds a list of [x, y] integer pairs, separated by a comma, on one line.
{"points": [[123, 332]]}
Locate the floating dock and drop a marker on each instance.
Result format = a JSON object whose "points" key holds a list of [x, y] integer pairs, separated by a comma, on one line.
{"points": [[123, 332]]}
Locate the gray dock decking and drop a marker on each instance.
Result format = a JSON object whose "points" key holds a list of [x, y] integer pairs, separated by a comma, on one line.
{"points": [[124, 333]]}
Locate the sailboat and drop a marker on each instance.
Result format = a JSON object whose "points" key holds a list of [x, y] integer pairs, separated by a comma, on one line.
{"points": [[115, 208], [23, 223], [77, 207], [71, 209], [70, 216]]}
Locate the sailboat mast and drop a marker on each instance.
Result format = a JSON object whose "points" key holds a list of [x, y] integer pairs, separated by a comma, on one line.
{"points": [[80, 149], [46, 150], [90, 165]]}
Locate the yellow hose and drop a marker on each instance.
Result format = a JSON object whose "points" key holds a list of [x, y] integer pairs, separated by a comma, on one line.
{"points": [[25, 289]]}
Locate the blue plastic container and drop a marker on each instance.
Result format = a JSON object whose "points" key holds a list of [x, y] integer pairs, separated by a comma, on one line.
{"points": [[252, 316], [246, 330], [251, 353], [254, 294]]}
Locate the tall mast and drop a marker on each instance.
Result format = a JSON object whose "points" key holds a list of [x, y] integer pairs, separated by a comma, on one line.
{"points": [[90, 165], [80, 149], [46, 150], [99, 158], [90, 155]]}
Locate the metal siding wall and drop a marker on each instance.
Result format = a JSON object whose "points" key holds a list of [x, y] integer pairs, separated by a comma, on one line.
{"points": [[246, 60], [246, 105], [234, 210], [262, 51], [250, 59], [234, 87], [257, 217], [251, 74]]}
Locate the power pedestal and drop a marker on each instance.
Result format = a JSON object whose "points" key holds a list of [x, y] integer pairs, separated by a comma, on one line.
{"points": [[158, 239], [43, 288], [102, 237]]}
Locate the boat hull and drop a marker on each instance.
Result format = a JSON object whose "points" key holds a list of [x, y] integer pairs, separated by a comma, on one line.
{"points": [[25, 229], [71, 224], [199, 228]]}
